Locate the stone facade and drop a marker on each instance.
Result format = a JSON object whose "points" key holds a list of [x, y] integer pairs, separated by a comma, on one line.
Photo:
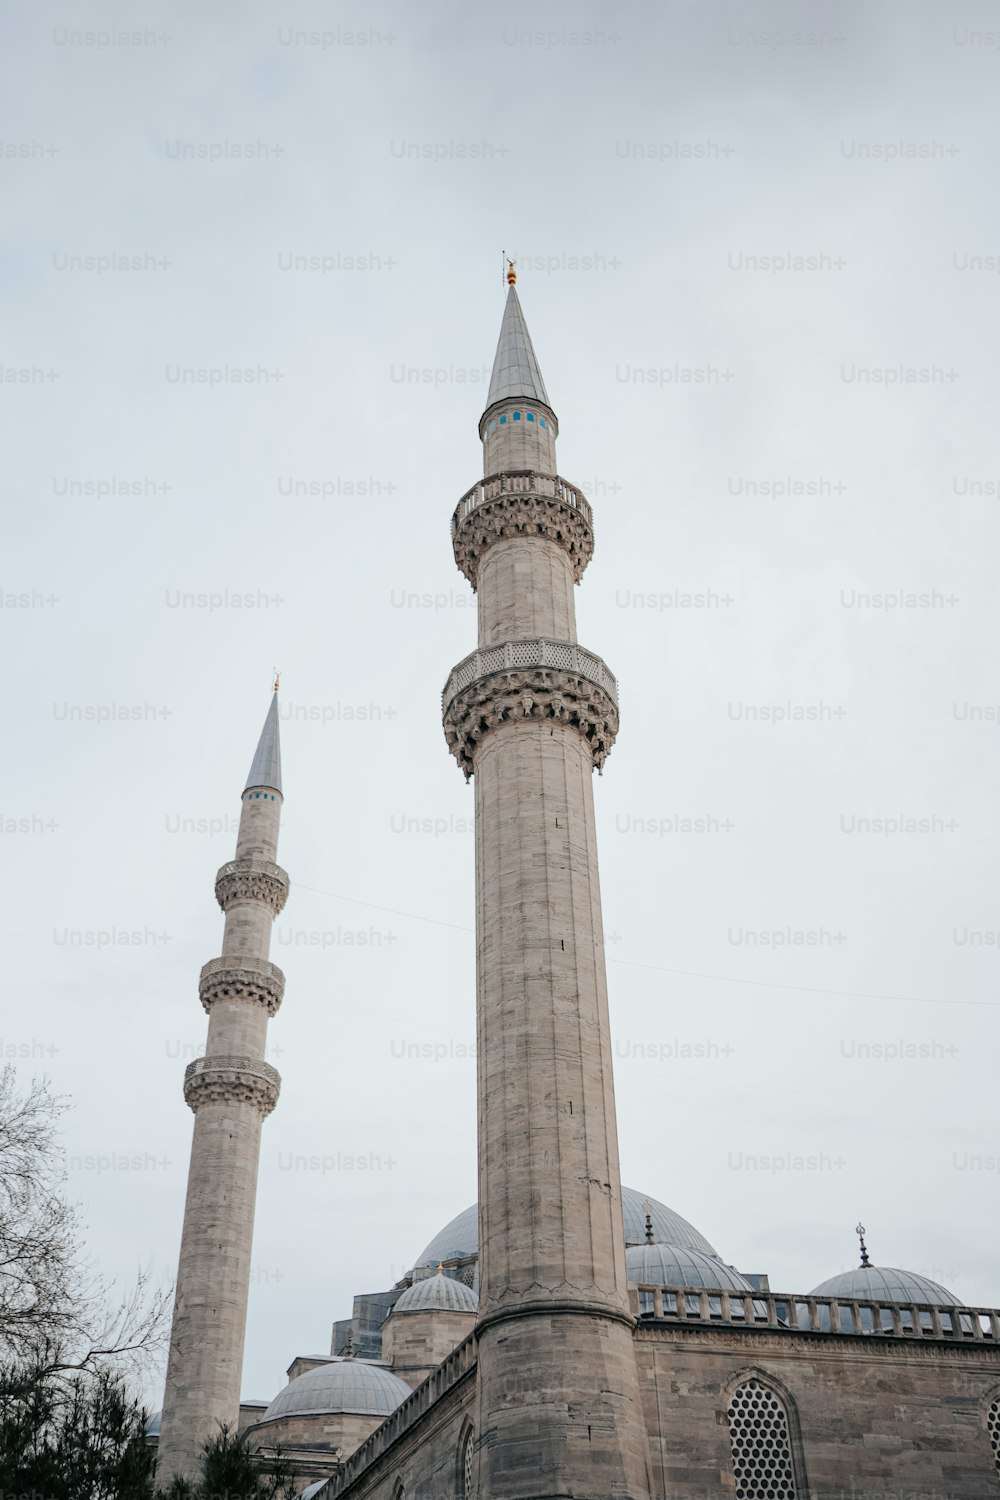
{"points": [[415, 1343], [867, 1418]]}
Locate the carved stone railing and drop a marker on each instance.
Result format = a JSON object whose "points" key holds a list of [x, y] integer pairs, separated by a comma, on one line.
{"points": [[458, 1364], [251, 880], [522, 504], [255, 980], [522, 482], [222, 1078], [532, 679], [566, 656], [778, 1312]]}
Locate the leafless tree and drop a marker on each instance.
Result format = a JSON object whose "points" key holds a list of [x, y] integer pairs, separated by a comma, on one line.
{"points": [[57, 1315]]}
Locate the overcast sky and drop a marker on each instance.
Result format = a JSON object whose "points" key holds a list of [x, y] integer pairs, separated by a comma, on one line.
{"points": [[758, 254]]}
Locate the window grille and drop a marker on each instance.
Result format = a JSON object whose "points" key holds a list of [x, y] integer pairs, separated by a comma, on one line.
{"points": [[762, 1454]]}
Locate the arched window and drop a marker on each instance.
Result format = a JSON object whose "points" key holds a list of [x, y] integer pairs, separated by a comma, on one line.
{"points": [[466, 1464], [399, 1490], [993, 1427], [761, 1445]]}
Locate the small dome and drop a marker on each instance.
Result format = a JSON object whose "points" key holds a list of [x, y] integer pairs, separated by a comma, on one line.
{"points": [[341, 1385], [884, 1284], [312, 1489], [460, 1239], [153, 1425], [441, 1293], [668, 1265]]}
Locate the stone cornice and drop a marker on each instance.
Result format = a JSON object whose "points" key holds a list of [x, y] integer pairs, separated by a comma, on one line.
{"points": [[222, 1079], [251, 880], [522, 505], [835, 1346], [254, 980], [533, 679]]}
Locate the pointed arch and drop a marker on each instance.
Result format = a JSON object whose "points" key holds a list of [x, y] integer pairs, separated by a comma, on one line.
{"points": [[398, 1489], [764, 1437], [465, 1462]]}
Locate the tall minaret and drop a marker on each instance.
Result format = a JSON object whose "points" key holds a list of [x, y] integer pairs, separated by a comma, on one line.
{"points": [[230, 1089], [530, 714]]}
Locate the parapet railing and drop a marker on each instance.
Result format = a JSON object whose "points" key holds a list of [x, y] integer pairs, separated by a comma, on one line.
{"points": [[459, 1362], [564, 656], [521, 482], [780, 1312], [219, 1062]]}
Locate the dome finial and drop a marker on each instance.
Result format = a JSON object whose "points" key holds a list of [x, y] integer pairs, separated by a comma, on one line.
{"points": [[277, 679], [859, 1230], [511, 272], [440, 1267], [647, 1209]]}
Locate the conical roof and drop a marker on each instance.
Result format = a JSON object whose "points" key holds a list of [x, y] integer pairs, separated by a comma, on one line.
{"points": [[515, 368], [266, 767]]}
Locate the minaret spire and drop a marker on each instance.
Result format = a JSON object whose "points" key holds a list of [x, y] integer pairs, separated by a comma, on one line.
{"points": [[515, 367], [231, 1090], [528, 715], [266, 768]]}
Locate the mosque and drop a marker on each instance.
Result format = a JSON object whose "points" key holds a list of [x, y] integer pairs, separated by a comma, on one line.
{"points": [[565, 1336]]}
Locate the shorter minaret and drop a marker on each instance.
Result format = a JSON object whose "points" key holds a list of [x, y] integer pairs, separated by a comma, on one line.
{"points": [[230, 1090]]}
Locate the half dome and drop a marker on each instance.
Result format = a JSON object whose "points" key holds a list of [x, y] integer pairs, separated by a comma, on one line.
{"points": [[885, 1284], [341, 1385]]}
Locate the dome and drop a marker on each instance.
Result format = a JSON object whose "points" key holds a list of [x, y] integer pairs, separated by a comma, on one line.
{"points": [[884, 1284], [153, 1425], [667, 1265], [312, 1489], [437, 1293], [341, 1385], [460, 1238]]}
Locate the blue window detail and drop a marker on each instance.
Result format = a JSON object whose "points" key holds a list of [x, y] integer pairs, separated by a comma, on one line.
{"points": [[503, 419], [517, 416], [256, 794], [542, 420], [493, 427], [531, 416]]}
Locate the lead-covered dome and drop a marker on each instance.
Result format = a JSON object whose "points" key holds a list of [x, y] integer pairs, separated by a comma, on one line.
{"points": [[885, 1284], [437, 1294], [341, 1385], [459, 1240], [668, 1265]]}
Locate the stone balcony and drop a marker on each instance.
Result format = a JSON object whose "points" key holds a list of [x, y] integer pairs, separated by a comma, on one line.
{"points": [[562, 656], [522, 504], [522, 482]]}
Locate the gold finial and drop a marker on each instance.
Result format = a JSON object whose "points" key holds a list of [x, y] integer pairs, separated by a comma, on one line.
{"points": [[511, 273], [277, 679], [440, 1268]]}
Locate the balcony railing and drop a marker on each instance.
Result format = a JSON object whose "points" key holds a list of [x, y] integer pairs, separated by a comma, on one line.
{"points": [[225, 1063], [779, 1312], [524, 482], [564, 656]]}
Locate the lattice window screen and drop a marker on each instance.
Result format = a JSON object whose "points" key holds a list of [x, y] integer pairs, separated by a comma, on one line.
{"points": [[993, 1428], [762, 1454], [470, 1487]]}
